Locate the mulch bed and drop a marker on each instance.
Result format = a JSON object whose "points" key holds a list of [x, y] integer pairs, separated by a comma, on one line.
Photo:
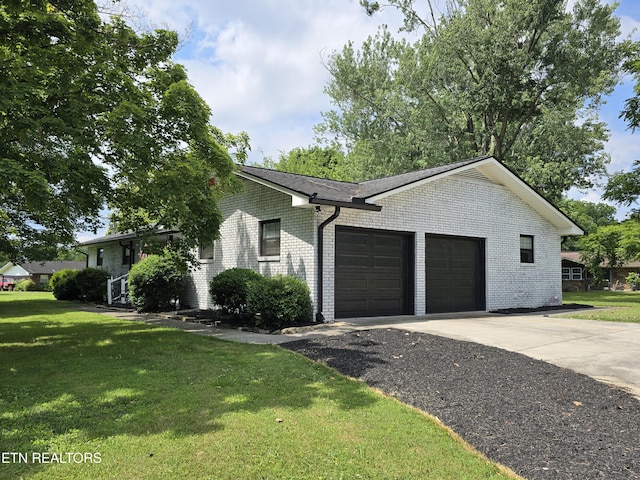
{"points": [[519, 311], [540, 420]]}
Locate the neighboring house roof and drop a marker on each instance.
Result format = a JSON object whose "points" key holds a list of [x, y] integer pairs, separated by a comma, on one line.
{"points": [[309, 191], [9, 269], [124, 236], [576, 258], [39, 268]]}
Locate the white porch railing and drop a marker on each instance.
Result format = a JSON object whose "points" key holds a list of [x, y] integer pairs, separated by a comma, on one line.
{"points": [[118, 284]]}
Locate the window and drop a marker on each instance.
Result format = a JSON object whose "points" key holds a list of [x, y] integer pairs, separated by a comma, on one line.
{"points": [[100, 257], [270, 238], [526, 249], [206, 252], [127, 255], [573, 273]]}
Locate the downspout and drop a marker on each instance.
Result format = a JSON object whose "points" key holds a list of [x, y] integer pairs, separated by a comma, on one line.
{"points": [[336, 214]]}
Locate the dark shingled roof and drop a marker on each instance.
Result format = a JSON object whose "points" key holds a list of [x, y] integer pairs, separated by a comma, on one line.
{"points": [[48, 268], [347, 192]]}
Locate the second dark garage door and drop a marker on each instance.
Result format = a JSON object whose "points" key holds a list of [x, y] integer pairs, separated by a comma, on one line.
{"points": [[374, 273], [455, 274]]}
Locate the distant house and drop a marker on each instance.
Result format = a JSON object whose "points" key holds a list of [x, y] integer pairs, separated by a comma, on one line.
{"points": [[575, 277], [466, 236], [39, 272]]}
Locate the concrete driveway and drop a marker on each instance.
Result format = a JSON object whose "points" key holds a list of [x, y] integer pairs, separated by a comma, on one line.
{"points": [[606, 351]]}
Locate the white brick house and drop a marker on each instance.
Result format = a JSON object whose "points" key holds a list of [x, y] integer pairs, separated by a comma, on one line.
{"points": [[465, 236]]}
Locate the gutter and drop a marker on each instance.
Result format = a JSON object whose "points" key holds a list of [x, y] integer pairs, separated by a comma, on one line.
{"points": [[336, 214]]}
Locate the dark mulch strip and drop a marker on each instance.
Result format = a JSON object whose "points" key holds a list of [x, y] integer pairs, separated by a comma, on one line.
{"points": [[564, 306], [542, 421]]}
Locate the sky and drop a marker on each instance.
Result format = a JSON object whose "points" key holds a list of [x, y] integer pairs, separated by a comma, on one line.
{"points": [[259, 66]]}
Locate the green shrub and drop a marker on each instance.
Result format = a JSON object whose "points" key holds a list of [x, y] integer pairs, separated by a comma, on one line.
{"points": [[229, 289], [92, 284], [156, 281], [279, 301], [633, 279], [65, 286], [59, 275], [25, 285]]}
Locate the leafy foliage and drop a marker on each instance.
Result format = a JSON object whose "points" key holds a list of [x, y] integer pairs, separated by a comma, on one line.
{"points": [[624, 187], [588, 215], [520, 80], [25, 285], [229, 289], [633, 279], [92, 284], [64, 285], [281, 300], [156, 281], [314, 161], [611, 246], [93, 113]]}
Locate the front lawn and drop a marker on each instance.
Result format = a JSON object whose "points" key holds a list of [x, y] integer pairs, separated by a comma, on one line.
{"points": [[627, 305], [84, 396]]}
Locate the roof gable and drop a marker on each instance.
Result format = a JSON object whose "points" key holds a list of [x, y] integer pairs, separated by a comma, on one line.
{"points": [[309, 191], [305, 190]]}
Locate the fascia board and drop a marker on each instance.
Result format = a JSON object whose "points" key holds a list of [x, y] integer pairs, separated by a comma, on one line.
{"points": [[297, 199]]}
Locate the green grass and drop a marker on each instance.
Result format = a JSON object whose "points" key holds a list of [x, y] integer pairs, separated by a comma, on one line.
{"points": [[157, 403], [626, 305]]}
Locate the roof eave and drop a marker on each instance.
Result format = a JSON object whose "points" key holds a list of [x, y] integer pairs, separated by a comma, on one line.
{"points": [[300, 199], [354, 205]]}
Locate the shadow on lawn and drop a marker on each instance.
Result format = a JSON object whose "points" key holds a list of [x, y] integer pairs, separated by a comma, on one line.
{"points": [[81, 381]]}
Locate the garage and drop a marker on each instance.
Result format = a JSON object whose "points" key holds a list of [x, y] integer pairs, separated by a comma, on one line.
{"points": [[373, 273], [455, 274]]}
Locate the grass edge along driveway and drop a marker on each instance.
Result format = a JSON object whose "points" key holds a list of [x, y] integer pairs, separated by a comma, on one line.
{"points": [[88, 396], [617, 306]]}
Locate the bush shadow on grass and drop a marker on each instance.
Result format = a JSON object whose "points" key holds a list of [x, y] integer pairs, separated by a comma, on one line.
{"points": [[93, 378]]}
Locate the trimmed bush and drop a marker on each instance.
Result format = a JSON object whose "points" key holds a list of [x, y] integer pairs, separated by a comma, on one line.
{"points": [[92, 284], [26, 285], [280, 301], [156, 281], [59, 275], [65, 287], [229, 289]]}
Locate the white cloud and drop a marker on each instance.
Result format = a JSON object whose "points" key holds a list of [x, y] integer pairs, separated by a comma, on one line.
{"points": [[258, 64]]}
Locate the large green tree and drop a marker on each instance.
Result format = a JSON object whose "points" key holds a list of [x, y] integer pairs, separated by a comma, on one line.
{"points": [[590, 216], [315, 161], [94, 114], [624, 187], [520, 80]]}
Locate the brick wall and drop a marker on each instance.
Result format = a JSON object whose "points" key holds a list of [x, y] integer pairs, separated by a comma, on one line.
{"points": [[465, 206], [238, 245]]}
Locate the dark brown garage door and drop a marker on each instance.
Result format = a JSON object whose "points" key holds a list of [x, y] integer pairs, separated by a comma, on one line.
{"points": [[374, 273], [455, 274]]}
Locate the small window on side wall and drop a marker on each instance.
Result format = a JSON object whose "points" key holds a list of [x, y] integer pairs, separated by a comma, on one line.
{"points": [[270, 238], [206, 252], [127, 255], [526, 249], [100, 257]]}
